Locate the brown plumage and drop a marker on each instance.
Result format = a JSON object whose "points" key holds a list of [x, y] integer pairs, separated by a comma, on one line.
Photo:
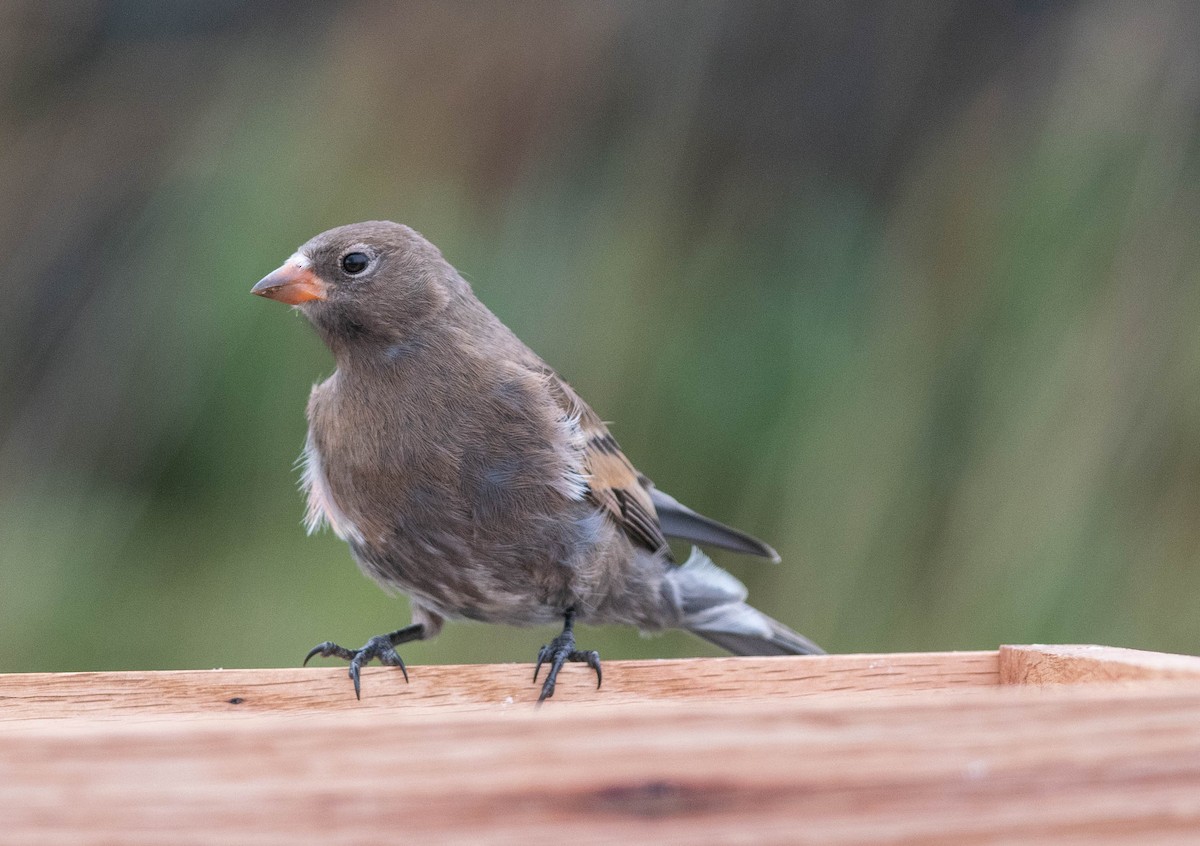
{"points": [[465, 473]]}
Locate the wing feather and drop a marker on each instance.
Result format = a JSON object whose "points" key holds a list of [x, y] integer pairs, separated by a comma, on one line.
{"points": [[613, 483]]}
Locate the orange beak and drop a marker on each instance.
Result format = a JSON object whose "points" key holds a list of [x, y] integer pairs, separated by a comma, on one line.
{"points": [[293, 284]]}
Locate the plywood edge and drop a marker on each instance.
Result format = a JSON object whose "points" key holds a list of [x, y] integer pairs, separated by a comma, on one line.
{"points": [[1049, 665]]}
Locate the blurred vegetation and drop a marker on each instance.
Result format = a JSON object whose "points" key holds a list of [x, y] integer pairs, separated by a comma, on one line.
{"points": [[908, 289]]}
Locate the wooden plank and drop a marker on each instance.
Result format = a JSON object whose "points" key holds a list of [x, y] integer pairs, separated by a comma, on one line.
{"points": [[488, 687], [1056, 765], [1042, 665]]}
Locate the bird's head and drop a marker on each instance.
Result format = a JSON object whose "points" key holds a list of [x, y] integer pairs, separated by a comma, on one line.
{"points": [[364, 285]]}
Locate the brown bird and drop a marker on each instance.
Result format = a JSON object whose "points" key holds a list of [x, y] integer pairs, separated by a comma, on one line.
{"points": [[465, 473]]}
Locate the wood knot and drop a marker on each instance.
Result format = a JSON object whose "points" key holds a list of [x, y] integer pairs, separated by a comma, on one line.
{"points": [[660, 798]]}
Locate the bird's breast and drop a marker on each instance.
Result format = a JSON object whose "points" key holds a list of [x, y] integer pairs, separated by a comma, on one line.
{"points": [[475, 508]]}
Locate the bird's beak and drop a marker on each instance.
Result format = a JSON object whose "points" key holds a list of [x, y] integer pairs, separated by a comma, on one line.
{"points": [[293, 283]]}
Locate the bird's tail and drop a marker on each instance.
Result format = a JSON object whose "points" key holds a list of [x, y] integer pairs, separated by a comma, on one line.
{"points": [[712, 604]]}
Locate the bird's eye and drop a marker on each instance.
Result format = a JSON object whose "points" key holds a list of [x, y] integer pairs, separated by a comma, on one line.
{"points": [[355, 263]]}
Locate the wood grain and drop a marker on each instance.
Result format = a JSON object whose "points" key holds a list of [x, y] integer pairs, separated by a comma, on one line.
{"points": [[902, 749], [484, 687], [1042, 665], [1067, 765]]}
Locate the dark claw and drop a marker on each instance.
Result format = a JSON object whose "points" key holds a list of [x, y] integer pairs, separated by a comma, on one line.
{"points": [[591, 658], [326, 650], [558, 652], [354, 678], [382, 647], [593, 661], [543, 654]]}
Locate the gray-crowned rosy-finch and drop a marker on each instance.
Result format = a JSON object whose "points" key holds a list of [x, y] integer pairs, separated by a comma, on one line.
{"points": [[465, 473]]}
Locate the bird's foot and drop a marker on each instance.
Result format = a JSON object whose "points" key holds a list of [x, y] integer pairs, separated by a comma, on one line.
{"points": [[558, 652], [382, 647]]}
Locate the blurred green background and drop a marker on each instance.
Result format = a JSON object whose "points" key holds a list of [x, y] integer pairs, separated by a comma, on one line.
{"points": [[907, 289]]}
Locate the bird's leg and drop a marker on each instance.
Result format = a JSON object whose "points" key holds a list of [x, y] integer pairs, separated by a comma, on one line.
{"points": [[382, 647], [561, 650]]}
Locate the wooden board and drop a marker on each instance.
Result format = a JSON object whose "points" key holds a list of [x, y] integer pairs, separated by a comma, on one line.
{"points": [[927, 769], [1044, 665], [912, 749], [482, 687]]}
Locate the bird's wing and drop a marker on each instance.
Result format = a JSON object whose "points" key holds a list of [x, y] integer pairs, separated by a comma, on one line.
{"points": [[613, 483], [679, 521]]}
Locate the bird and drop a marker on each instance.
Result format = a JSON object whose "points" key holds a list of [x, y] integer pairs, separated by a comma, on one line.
{"points": [[465, 473]]}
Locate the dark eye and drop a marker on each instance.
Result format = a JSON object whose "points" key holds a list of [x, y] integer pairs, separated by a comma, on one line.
{"points": [[355, 263]]}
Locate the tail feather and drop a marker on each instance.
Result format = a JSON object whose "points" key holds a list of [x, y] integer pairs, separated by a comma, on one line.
{"points": [[712, 605], [744, 630]]}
